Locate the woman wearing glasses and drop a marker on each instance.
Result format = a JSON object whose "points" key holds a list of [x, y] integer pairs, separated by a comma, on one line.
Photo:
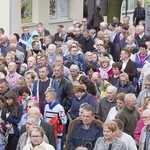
{"points": [[37, 136]]}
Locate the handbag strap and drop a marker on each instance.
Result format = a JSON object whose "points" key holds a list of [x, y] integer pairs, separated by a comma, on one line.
{"points": [[110, 146]]}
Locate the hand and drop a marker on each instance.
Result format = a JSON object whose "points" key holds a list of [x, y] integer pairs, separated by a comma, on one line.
{"points": [[7, 115]]}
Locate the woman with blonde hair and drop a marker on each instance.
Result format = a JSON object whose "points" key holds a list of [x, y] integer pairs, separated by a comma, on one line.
{"points": [[109, 141], [105, 69]]}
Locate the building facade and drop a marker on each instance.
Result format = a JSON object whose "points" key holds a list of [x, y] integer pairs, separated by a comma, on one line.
{"points": [[18, 13]]}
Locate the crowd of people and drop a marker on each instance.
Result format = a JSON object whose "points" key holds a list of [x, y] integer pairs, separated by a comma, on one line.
{"points": [[85, 88]]}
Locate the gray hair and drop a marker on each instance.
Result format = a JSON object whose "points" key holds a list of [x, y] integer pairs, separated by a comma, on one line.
{"points": [[128, 98], [104, 24], [124, 75], [113, 88], [74, 67], [52, 46], [35, 118]]}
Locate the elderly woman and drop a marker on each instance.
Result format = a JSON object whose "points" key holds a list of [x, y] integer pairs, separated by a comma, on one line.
{"points": [[37, 139], [109, 141], [51, 53], [75, 73], [106, 68]]}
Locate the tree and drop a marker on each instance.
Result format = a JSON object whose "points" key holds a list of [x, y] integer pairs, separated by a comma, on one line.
{"points": [[114, 9]]}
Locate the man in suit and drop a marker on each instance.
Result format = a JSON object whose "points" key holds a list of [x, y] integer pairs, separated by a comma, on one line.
{"points": [[128, 66], [49, 131]]}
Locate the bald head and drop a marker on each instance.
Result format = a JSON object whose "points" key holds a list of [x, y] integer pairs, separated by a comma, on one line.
{"points": [[12, 67], [34, 111], [96, 77], [31, 62]]}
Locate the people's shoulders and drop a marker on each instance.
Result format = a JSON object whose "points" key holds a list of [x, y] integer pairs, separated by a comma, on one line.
{"points": [[118, 143], [126, 136]]}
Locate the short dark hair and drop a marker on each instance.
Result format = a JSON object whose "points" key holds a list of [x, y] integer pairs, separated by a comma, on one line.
{"points": [[98, 8], [59, 39], [24, 89], [117, 65], [4, 81], [143, 45], [90, 108]]}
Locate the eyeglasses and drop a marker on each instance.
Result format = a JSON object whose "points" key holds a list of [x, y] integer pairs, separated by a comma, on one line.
{"points": [[145, 117], [99, 44], [36, 136]]}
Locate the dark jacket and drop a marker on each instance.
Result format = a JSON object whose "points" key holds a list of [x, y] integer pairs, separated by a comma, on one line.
{"points": [[84, 137], [66, 93], [87, 44], [127, 88], [76, 103], [49, 132], [131, 69], [142, 40], [104, 107], [12, 119]]}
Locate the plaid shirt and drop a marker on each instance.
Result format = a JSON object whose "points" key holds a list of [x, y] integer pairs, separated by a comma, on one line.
{"points": [[139, 13], [146, 145], [13, 79]]}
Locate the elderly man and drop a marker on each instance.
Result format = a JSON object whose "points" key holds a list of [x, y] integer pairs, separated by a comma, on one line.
{"points": [[107, 102], [20, 55], [124, 85], [145, 134], [24, 139], [12, 76], [49, 131], [129, 115], [86, 132], [31, 103], [100, 84]]}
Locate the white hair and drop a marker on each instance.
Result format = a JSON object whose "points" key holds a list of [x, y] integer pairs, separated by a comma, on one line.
{"points": [[74, 67], [104, 24], [52, 46]]}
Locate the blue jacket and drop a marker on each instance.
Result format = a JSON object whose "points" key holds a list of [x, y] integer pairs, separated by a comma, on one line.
{"points": [[23, 40], [82, 137], [86, 98], [12, 119], [35, 90]]}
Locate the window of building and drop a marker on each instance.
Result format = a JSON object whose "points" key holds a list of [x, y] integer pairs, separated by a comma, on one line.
{"points": [[26, 11], [131, 5], [59, 9]]}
